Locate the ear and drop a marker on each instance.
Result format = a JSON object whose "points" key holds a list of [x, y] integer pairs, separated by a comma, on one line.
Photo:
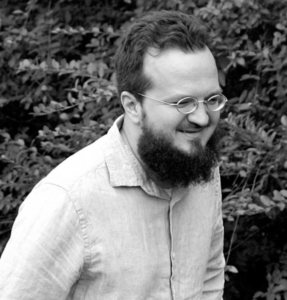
{"points": [[132, 107]]}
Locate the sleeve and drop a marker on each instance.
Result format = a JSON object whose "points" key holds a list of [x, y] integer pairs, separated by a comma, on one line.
{"points": [[45, 254], [213, 284]]}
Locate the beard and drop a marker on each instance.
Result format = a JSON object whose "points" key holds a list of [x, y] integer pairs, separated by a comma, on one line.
{"points": [[174, 166]]}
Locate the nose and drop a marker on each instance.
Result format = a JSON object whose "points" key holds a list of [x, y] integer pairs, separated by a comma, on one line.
{"points": [[200, 116]]}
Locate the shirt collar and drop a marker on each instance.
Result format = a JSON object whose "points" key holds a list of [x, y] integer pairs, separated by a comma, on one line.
{"points": [[124, 168]]}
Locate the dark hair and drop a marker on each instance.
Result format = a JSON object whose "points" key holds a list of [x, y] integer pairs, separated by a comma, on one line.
{"points": [[160, 30]]}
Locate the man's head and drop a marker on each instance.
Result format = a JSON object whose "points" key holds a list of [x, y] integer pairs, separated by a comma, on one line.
{"points": [[165, 58], [159, 30]]}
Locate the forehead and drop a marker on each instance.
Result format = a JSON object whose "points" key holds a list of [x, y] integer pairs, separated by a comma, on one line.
{"points": [[185, 72]]}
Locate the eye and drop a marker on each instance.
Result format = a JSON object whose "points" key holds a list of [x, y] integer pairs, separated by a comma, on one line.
{"points": [[183, 102], [187, 101], [186, 105], [213, 100], [216, 102]]}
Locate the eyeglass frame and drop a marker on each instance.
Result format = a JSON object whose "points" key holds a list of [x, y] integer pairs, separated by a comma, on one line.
{"points": [[197, 101]]}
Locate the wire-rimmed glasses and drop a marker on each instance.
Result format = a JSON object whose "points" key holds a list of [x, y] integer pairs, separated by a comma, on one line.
{"points": [[188, 105]]}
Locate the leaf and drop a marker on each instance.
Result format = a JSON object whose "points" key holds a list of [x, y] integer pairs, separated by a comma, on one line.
{"points": [[42, 107], [240, 212], [272, 212], [221, 77], [284, 193], [223, 62], [284, 283], [228, 190], [48, 159], [64, 148], [281, 206], [254, 206], [243, 96], [231, 269], [241, 61], [266, 52], [3, 101], [271, 138], [284, 120], [17, 12], [102, 68], [43, 65], [92, 67], [96, 30], [247, 76], [265, 200], [21, 142], [36, 110], [277, 196], [72, 64], [253, 228], [280, 26], [64, 116], [6, 208], [244, 106], [230, 218], [25, 63], [55, 64], [243, 173], [258, 294], [24, 31], [277, 289], [238, 3], [46, 129], [270, 296]]}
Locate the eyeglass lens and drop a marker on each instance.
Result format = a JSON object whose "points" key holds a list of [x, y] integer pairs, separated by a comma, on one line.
{"points": [[189, 104]]}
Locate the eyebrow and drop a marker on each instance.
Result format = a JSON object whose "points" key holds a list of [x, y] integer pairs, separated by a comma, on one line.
{"points": [[219, 91], [181, 96]]}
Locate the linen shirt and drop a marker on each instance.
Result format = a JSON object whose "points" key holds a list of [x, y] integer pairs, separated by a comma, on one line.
{"points": [[97, 228]]}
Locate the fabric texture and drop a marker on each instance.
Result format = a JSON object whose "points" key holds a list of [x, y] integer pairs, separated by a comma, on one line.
{"points": [[97, 228]]}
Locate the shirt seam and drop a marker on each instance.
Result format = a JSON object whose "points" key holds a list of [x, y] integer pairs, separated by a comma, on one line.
{"points": [[82, 220]]}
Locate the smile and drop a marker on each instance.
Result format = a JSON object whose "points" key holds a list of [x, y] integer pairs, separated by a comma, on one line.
{"points": [[190, 131]]}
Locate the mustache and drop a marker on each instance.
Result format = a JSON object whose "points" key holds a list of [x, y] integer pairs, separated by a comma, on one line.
{"points": [[190, 127]]}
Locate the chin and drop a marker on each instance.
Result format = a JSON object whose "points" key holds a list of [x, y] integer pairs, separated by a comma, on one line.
{"points": [[189, 148]]}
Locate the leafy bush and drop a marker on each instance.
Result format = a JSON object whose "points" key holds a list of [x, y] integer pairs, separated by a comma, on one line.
{"points": [[57, 90], [58, 94]]}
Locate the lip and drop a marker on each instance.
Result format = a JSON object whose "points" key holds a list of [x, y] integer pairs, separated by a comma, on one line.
{"points": [[190, 131]]}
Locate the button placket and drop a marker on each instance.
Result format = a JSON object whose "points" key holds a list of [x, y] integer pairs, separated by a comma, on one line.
{"points": [[172, 253]]}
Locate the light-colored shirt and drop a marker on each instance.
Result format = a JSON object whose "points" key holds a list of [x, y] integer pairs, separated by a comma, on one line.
{"points": [[97, 228]]}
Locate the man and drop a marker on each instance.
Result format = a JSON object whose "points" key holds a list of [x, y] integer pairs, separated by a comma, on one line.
{"points": [[137, 214]]}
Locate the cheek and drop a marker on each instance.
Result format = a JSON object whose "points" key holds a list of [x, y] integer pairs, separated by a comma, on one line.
{"points": [[214, 119], [167, 120]]}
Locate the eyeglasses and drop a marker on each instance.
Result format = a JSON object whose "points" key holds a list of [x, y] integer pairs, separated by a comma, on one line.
{"points": [[188, 105]]}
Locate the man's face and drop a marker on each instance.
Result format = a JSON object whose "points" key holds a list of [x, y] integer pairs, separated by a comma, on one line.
{"points": [[171, 137]]}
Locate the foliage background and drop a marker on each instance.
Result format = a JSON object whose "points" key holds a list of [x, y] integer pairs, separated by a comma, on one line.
{"points": [[57, 94]]}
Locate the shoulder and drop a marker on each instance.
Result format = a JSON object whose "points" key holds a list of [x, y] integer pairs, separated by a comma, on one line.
{"points": [[85, 161]]}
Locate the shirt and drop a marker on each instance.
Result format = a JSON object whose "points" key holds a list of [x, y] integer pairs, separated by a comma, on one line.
{"points": [[97, 228]]}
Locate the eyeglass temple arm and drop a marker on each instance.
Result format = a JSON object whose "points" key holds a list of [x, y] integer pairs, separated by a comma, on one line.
{"points": [[171, 104]]}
